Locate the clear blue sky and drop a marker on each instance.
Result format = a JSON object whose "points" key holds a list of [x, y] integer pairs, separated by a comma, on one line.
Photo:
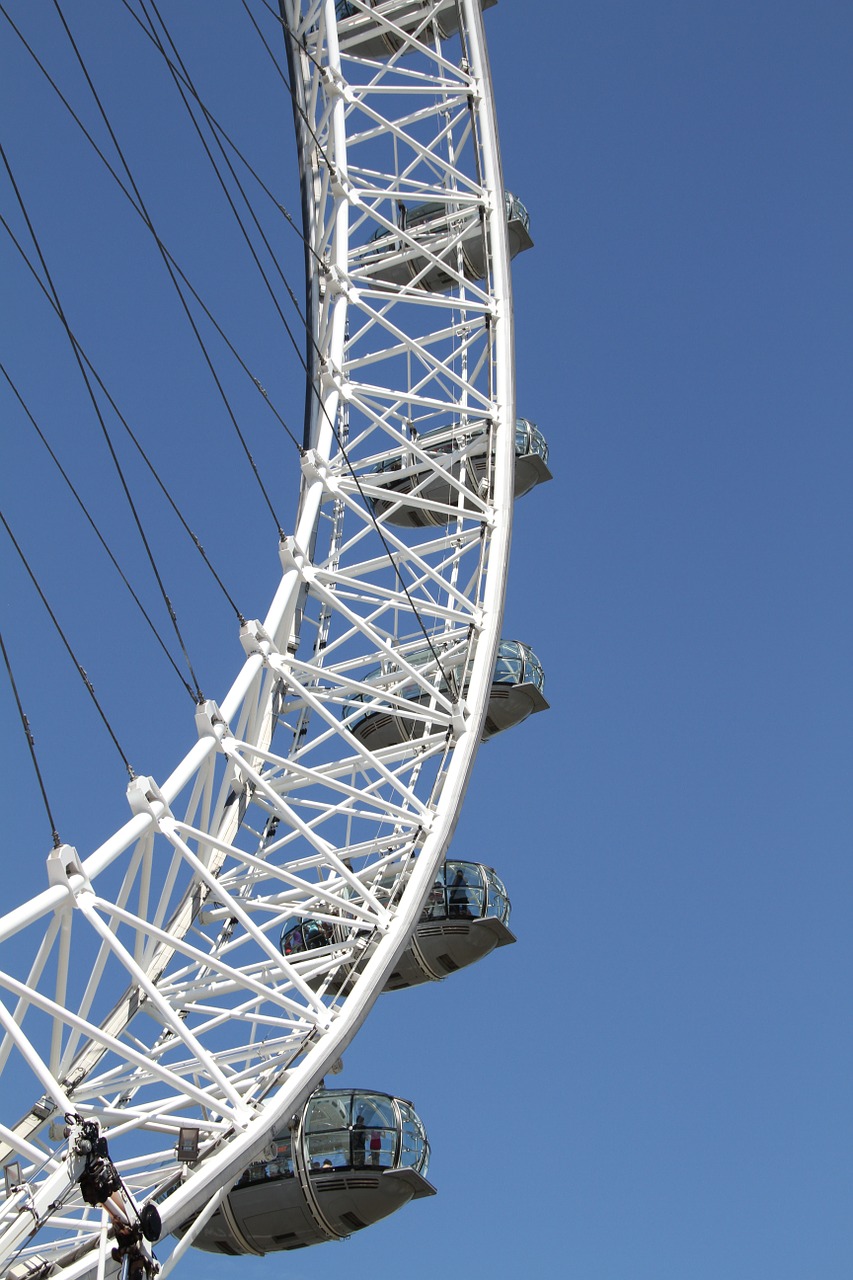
{"points": [[654, 1083]]}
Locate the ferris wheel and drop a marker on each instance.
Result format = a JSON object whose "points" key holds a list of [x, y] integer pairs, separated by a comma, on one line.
{"points": [[172, 1001]]}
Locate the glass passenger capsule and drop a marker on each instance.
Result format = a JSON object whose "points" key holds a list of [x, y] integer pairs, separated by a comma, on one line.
{"points": [[465, 918], [353, 1158], [454, 237], [418, 496], [365, 34], [516, 693]]}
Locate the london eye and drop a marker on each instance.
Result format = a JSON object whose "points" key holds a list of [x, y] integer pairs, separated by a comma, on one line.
{"points": [[176, 997]]}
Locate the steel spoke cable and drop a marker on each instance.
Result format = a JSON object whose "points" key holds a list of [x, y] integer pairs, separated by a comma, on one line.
{"points": [[129, 430], [96, 530], [97, 409], [218, 128], [296, 105], [188, 81], [173, 277], [31, 744], [182, 75], [140, 213], [81, 672]]}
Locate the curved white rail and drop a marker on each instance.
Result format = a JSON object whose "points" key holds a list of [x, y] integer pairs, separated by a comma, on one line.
{"points": [[155, 995]]}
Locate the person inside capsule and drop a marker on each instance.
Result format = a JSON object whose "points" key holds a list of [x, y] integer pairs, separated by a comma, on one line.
{"points": [[459, 905]]}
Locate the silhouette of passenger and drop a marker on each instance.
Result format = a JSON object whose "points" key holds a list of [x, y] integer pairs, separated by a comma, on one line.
{"points": [[358, 1142], [458, 896]]}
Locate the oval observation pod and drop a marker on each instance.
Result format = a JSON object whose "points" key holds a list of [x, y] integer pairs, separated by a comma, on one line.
{"points": [[354, 1157], [371, 35], [465, 918], [303, 933], [435, 247], [515, 694], [418, 496]]}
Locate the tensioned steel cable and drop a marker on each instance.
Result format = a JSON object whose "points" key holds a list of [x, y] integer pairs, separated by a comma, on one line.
{"points": [[80, 670], [132, 201], [181, 76], [97, 408], [218, 128], [172, 275], [96, 530], [297, 106], [130, 432], [28, 733], [188, 80]]}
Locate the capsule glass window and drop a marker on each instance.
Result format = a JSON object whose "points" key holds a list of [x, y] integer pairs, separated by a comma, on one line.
{"points": [[509, 668], [326, 1132], [414, 1148], [303, 934], [497, 899], [533, 670], [464, 890], [516, 211], [375, 1129], [529, 440]]}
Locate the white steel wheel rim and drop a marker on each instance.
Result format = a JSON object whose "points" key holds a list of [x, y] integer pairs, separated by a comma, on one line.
{"points": [[170, 940]]}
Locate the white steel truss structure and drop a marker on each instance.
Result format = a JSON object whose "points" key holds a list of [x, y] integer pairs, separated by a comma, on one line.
{"points": [[146, 987]]}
